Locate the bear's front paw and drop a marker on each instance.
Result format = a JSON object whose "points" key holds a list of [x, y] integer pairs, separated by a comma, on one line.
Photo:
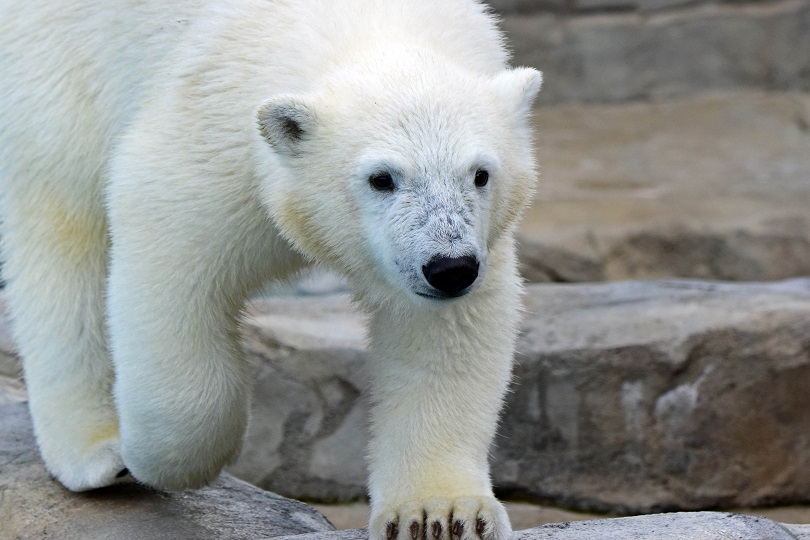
{"points": [[86, 467], [463, 518]]}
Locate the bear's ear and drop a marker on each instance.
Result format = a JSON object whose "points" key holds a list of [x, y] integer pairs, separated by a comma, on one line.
{"points": [[519, 86], [284, 121]]}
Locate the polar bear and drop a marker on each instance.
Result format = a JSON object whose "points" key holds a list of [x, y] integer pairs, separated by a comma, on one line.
{"points": [[160, 160]]}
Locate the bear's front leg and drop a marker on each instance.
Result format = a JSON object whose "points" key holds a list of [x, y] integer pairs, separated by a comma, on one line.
{"points": [[182, 386], [439, 374], [180, 269]]}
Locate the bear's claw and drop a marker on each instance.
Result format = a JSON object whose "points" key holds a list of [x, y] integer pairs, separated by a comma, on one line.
{"points": [[465, 518]]}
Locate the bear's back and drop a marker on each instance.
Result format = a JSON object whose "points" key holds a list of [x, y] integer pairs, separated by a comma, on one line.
{"points": [[77, 72]]}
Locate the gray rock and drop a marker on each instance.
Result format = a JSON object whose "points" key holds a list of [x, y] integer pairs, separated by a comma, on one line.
{"points": [[710, 188], [33, 505], [540, 262], [738, 255], [752, 251], [349, 534], [603, 6], [595, 6], [644, 396], [528, 6], [799, 532], [658, 53], [628, 397], [678, 526], [656, 6], [308, 428], [9, 362]]}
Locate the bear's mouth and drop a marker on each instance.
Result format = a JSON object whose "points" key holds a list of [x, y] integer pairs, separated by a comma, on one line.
{"points": [[442, 297]]}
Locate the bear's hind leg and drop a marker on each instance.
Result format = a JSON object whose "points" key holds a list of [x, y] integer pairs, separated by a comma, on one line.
{"points": [[55, 267]]}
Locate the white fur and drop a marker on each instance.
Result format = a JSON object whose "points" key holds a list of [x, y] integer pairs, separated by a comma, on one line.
{"points": [[186, 152]]}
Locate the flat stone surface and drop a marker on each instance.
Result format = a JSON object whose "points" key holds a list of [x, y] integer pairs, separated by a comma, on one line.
{"points": [[799, 532], [590, 6], [715, 187], [678, 526], [34, 506], [349, 534], [524, 515]]}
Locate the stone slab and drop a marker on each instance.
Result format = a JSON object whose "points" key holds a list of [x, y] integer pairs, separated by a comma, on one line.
{"points": [[34, 506], [307, 416], [676, 526], [648, 396], [610, 52], [524, 515], [715, 187], [9, 363], [799, 532], [628, 397], [592, 6]]}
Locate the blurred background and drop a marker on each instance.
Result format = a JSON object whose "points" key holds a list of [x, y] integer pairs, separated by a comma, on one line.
{"points": [[672, 137]]}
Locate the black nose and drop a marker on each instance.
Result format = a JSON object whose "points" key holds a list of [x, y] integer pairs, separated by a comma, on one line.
{"points": [[451, 275]]}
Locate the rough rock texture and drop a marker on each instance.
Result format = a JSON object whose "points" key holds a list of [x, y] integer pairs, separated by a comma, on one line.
{"points": [[644, 396], [576, 7], [9, 363], [619, 50], [799, 532], [678, 526], [628, 397], [34, 506], [307, 416], [712, 188]]}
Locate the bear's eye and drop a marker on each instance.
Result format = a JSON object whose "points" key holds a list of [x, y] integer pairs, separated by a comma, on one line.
{"points": [[381, 181], [481, 178]]}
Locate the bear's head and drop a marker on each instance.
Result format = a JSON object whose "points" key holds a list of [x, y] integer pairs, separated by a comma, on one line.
{"points": [[402, 174]]}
